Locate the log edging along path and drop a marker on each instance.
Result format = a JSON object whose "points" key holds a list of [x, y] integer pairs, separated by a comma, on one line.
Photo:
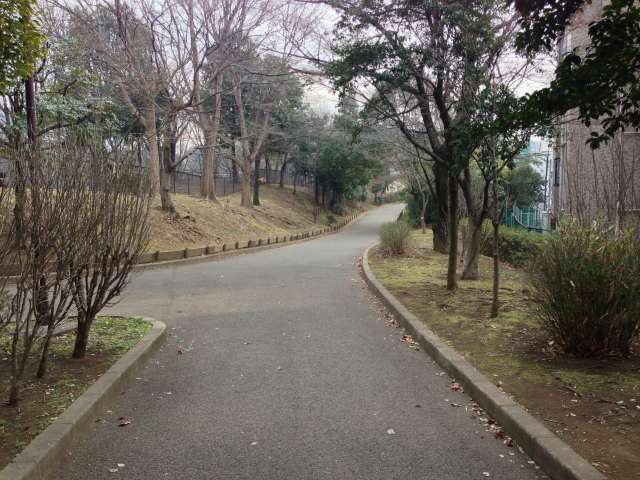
{"points": [[195, 255], [552, 454], [46, 450]]}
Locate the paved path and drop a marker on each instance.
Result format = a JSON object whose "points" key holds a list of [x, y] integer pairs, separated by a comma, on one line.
{"points": [[288, 372]]}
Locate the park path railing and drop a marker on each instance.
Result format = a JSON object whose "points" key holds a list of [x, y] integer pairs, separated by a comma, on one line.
{"points": [[530, 218]]}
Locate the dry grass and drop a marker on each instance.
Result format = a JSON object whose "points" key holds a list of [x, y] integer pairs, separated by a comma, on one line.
{"points": [[577, 399], [201, 222]]}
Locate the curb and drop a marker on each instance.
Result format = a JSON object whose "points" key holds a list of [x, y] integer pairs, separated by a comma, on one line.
{"points": [[190, 256], [187, 256], [553, 455], [44, 451]]}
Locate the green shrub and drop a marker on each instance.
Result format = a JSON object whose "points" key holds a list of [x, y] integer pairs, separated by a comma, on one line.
{"points": [[331, 219], [516, 246], [586, 288], [414, 208], [394, 236]]}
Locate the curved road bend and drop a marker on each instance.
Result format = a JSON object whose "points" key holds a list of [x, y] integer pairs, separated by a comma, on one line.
{"points": [[287, 372]]}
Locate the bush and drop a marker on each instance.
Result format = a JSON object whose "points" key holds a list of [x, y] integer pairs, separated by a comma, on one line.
{"points": [[516, 246], [413, 208], [331, 219], [586, 288], [394, 237]]}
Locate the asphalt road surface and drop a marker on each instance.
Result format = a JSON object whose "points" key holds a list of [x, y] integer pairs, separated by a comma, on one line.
{"points": [[279, 366]]}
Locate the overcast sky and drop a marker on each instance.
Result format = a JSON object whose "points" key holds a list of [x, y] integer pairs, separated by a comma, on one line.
{"points": [[322, 99]]}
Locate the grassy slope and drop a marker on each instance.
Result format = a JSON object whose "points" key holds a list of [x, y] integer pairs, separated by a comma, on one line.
{"points": [[577, 399], [202, 222]]}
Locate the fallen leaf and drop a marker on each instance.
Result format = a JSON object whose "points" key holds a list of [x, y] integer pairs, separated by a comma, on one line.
{"points": [[124, 421], [408, 339]]}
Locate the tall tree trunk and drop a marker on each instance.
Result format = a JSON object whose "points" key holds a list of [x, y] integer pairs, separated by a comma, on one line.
{"points": [[441, 210], [283, 169], [217, 113], [151, 137], [246, 164], [237, 160], [167, 169], [495, 220], [452, 281], [476, 216], [256, 181], [245, 190], [207, 164], [472, 242], [210, 124]]}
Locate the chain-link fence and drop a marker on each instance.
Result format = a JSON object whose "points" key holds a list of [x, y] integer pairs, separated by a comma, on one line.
{"points": [[189, 183]]}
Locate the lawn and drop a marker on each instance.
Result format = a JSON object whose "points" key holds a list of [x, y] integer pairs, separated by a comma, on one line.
{"points": [[43, 400], [593, 405]]}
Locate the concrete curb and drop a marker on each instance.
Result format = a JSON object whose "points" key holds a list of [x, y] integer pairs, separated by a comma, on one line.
{"points": [[188, 256], [206, 254], [553, 455], [45, 451]]}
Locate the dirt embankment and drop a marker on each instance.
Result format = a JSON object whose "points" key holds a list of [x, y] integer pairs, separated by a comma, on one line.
{"points": [[201, 222]]}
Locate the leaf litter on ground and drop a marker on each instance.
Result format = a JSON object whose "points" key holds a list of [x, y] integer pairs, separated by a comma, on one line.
{"points": [[409, 340]]}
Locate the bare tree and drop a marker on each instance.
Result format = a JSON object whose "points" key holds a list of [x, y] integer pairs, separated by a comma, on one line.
{"points": [[54, 240], [130, 43], [118, 205], [250, 144], [214, 29]]}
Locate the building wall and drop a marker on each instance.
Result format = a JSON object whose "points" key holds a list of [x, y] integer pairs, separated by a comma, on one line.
{"points": [[594, 183]]}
